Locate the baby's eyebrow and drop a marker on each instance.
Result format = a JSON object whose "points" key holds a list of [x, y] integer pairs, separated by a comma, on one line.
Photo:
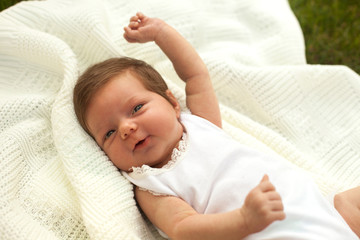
{"points": [[133, 99], [97, 135]]}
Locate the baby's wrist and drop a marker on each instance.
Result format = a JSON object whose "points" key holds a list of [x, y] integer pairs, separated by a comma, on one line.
{"points": [[161, 32], [251, 221], [243, 223]]}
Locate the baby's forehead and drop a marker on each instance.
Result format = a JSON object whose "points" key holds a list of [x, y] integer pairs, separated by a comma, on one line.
{"points": [[146, 81], [128, 81], [129, 76]]}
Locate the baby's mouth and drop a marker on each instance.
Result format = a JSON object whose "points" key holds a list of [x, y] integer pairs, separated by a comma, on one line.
{"points": [[141, 143]]}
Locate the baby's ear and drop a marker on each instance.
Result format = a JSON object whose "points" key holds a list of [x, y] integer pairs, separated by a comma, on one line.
{"points": [[174, 102]]}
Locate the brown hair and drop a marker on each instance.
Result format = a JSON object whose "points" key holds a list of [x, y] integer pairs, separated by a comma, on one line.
{"points": [[101, 73]]}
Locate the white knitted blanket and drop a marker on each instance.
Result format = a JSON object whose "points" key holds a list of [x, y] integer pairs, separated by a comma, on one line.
{"points": [[55, 183]]}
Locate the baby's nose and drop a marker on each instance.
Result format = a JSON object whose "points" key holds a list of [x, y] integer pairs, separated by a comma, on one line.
{"points": [[127, 128]]}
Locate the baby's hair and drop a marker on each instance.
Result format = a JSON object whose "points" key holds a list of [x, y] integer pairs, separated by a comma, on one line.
{"points": [[96, 76]]}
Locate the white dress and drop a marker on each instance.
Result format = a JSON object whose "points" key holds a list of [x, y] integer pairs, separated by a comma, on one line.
{"points": [[214, 173]]}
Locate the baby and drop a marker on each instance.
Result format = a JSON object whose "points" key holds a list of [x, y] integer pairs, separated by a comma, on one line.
{"points": [[193, 181]]}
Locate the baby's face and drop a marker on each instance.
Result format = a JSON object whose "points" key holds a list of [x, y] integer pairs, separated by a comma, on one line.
{"points": [[134, 126]]}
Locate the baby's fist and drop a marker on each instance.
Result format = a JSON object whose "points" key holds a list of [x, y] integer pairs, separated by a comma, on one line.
{"points": [[142, 29], [263, 206]]}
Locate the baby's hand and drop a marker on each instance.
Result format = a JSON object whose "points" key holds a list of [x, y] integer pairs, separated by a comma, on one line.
{"points": [[263, 205], [143, 29]]}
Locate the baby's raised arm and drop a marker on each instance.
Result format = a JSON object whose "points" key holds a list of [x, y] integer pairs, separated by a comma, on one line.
{"points": [[200, 96]]}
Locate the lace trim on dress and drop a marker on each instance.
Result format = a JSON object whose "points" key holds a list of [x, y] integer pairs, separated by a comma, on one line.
{"points": [[175, 158], [154, 193]]}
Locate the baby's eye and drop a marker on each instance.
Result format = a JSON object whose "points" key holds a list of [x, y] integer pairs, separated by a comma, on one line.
{"points": [[137, 108], [109, 133]]}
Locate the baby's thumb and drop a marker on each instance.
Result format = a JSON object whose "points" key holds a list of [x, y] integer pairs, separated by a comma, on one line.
{"points": [[265, 178]]}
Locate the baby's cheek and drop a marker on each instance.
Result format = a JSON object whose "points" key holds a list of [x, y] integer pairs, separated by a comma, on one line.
{"points": [[115, 157]]}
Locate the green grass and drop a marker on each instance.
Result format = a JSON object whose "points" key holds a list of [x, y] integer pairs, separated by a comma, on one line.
{"points": [[331, 29], [7, 3]]}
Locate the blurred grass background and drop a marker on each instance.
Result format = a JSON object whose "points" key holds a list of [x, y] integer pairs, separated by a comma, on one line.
{"points": [[331, 29]]}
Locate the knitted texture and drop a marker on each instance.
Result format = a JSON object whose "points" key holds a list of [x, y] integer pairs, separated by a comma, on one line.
{"points": [[56, 183]]}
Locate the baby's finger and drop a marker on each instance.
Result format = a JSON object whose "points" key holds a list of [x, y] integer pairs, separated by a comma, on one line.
{"points": [[130, 40], [265, 178], [140, 15], [129, 35], [279, 215], [266, 186], [273, 195], [277, 205], [133, 25], [127, 30], [134, 19]]}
